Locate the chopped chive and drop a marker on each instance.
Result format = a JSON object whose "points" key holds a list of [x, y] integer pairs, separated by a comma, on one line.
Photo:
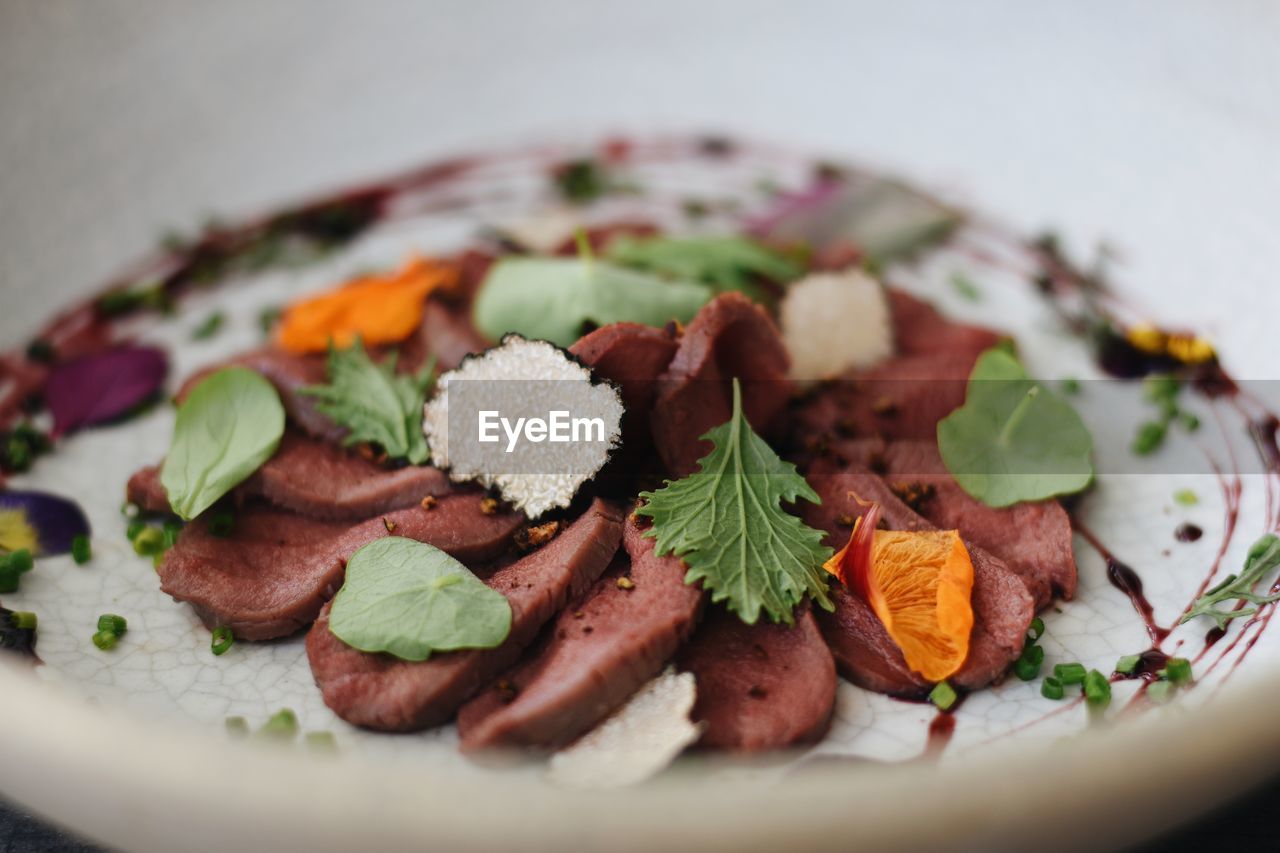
{"points": [[943, 696], [1097, 689], [1051, 688], [267, 319], [321, 741], [1177, 670], [1029, 662], [1036, 631], [1189, 422], [209, 327], [965, 287], [20, 561], [1070, 673], [1186, 497], [1149, 438], [1161, 692], [581, 181], [222, 524], [117, 625], [24, 620], [1070, 385], [222, 640], [237, 726], [133, 528], [81, 551], [172, 527], [8, 579], [281, 724], [1128, 664], [106, 640], [149, 541]]}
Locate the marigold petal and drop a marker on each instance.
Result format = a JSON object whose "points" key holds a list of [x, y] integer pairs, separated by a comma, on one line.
{"points": [[920, 585], [378, 309]]}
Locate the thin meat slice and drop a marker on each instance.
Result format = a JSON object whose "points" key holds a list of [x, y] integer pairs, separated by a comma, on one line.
{"points": [[275, 570], [317, 479], [289, 374], [902, 398], [920, 329], [446, 333], [864, 651], [1033, 539], [600, 651], [761, 686], [632, 357], [730, 337], [382, 692]]}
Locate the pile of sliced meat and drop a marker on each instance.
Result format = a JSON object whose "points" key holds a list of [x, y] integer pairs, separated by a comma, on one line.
{"points": [[596, 612]]}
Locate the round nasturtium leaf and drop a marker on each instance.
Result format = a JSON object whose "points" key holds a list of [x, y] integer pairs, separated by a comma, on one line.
{"points": [[227, 427], [1014, 440], [410, 599], [552, 299]]}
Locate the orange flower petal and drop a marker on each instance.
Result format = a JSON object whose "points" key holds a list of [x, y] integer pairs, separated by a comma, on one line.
{"points": [[919, 584], [378, 309]]}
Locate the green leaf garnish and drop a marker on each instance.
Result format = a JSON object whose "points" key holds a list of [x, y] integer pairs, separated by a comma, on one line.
{"points": [[410, 599], [552, 299], [726, 523], [1262, 558], [725, 262], [375, 403], [1014, 440], [226, 428]]}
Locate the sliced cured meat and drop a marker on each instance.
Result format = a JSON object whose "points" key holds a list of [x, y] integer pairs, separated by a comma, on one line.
{"points": [[920, 329], [1033, 539], [446, 333], [601, 649], [631, 356], [317, 479], [288, 373], [902, 398], [730, 337], [864, 651], [382, 692], [271, 575], [761, 686]]}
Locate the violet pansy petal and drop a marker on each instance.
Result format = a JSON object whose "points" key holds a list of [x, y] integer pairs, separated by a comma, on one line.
{"points": [[43, 523], [103, 386]]}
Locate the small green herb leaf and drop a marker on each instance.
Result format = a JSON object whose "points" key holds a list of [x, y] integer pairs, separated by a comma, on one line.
{"points": [[1262, 558], [1014, 440], [411, 599], [374, 403], [726, 522], [726, 263], [229, 425], [553, 299]]}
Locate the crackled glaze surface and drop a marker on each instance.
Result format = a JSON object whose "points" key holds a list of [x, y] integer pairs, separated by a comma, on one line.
{"points": [[164, 668]]}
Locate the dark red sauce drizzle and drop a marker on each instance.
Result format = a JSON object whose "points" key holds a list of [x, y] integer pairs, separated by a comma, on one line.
{"points": [[1188, 532]]}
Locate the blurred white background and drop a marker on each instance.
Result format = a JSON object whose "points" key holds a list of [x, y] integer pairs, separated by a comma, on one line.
{"points": [[1153, 124]]}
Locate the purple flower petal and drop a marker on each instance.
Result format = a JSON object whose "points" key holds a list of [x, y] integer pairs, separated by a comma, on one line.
{"points": [[39, 519], [97, 388]]}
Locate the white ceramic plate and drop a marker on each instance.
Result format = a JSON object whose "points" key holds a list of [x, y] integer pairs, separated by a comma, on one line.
{"points": [[174, 783]]}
